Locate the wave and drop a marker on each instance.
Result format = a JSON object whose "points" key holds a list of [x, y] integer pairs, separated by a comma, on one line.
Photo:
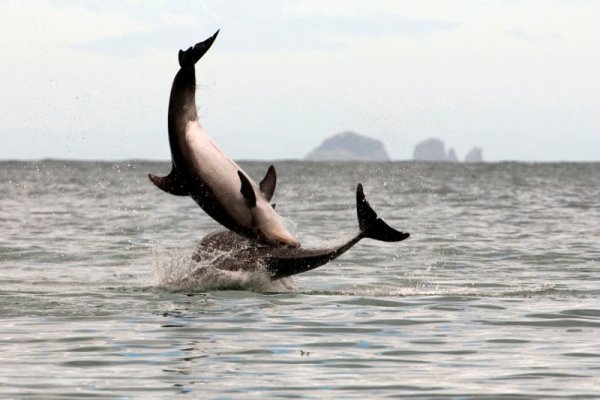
{"points": [[422, 290], [176, 271]]}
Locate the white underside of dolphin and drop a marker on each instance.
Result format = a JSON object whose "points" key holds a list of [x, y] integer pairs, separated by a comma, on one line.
{"points": [[202, 171], [222, 175]]}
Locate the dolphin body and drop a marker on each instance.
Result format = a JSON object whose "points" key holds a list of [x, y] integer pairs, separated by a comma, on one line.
{"points": [[234, 252], [202, 171]]}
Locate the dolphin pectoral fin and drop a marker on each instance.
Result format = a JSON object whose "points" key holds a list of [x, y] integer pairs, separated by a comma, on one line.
{"points": [[267, 185], [247, 190], [189, 57], [172, 183], [370, 225]]}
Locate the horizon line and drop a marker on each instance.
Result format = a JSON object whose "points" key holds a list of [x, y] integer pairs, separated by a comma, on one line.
{"points": [[148, 160]]}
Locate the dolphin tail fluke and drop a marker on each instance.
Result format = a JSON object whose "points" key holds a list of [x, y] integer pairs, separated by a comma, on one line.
{"points": [[188, 58], [172, 183], [370, 225]]}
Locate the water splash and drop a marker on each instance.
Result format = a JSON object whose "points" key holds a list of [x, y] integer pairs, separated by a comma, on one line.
{"points": [[176, 271]]}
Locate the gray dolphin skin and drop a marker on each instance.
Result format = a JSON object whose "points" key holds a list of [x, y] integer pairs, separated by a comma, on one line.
{"points": [[202, 171], [239, 253]]}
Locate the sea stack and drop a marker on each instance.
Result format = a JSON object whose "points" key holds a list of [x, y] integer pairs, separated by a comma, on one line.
{"points": [[475, 155], [433, 150]]}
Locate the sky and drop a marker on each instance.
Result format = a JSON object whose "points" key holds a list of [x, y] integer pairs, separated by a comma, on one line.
{"points": [[91, 79]]}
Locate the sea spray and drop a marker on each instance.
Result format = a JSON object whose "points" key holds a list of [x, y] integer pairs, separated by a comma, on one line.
{"points": [[176, 271]]}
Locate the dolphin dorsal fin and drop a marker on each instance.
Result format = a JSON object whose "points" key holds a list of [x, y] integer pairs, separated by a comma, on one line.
{"points": [[267, 185], [247, 190]]}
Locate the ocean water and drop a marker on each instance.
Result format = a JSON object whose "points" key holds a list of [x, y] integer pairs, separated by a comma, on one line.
{"points": [[494, 295]]}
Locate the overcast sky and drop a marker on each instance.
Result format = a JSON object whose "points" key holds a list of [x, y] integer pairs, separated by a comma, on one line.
{"points": [[91, 79]]}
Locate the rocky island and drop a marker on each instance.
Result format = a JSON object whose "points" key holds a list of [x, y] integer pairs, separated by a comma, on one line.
{"points": [[434, 149], [349, 146], [475, 155]]}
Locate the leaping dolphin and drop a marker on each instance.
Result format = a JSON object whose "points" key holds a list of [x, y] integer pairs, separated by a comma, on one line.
{"points": [[239, 253], [202, 171]]}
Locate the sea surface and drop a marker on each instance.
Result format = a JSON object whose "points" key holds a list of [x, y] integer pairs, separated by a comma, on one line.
{"points": [[496, 294]]}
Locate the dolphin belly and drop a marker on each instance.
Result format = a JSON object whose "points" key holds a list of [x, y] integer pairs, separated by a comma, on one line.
{"points": [[207, 163]]}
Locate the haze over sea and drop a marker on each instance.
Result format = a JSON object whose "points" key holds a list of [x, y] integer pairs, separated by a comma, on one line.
{"points": [[494, 295]]}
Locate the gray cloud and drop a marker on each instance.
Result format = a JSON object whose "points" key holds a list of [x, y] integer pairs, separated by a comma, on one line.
{"points": [[271, 28]]}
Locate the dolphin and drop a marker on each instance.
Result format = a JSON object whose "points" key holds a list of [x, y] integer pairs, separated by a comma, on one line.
{"points": [[202, 171], [227, 250]]}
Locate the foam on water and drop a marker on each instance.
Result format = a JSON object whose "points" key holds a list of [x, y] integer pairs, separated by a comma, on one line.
{"points": [[421, 290]]}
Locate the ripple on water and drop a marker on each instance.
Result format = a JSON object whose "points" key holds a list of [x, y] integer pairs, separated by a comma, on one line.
{"points": [[493, 296]]}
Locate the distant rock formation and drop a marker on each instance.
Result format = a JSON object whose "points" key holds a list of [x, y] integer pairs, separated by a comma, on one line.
{"points": [[433, 150], [475, 155], [451, 155], [349, 146]]}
